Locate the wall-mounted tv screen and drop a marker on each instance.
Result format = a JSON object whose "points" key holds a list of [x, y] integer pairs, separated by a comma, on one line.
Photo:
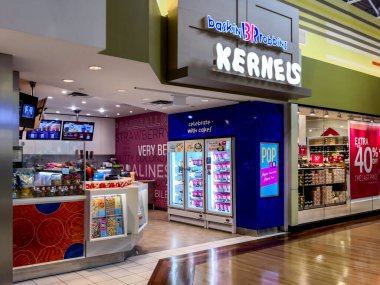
{"points": [[78, 131], [27, 110], [47, 130]]}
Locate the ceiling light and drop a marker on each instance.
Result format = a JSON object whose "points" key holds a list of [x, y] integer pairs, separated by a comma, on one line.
{"points": [[341, 127], [50, 97], [190, 116], [101, 110], [68, 80], [131, 111], [88, 114], [326, 115], [94, 67], [56, 119], [73, 108], [146, 99], [117, 106], [312, 112], [118, 114], [204, 100], [84, 102], [371, 121], [310, 130], [121, 90], [57, 112], [64, 92]]}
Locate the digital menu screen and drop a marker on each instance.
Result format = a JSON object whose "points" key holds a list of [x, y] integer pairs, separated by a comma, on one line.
{"points": [[78, 131], [47, 130]]}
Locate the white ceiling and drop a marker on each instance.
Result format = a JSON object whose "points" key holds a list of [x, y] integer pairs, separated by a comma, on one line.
{"points": [[48, 62]]}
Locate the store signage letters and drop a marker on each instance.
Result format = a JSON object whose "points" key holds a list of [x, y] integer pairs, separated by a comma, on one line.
{"points": [[250, 64], [247, 32]]}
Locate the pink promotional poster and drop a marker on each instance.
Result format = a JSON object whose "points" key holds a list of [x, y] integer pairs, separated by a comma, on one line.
{"points": [[141, 142], [364, 159]]}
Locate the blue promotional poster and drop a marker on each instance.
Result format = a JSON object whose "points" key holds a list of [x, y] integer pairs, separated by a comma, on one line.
{"points": [[269, 170]]}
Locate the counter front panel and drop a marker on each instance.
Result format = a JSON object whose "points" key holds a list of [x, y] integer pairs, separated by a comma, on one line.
{"points": [[47, 232]]}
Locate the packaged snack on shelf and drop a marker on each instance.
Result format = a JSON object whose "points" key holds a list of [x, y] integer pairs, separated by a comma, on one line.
{"points": [[111, 226], [25, 177], [110, 205], [94, 208], [103, 227], [119, 225], [101, 207], [118, 208], [95, 228]]}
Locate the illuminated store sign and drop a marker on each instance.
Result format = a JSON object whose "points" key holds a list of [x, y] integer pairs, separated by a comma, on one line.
{"points": [[247, 32], [252, 65]]}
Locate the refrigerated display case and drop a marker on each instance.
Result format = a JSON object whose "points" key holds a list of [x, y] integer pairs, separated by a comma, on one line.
{"points": [[194, 186], [219, 184], [208, 183], [176, 174]]}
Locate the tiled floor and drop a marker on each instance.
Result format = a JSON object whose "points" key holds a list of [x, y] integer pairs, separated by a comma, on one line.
{"points": [[161, 239], [136, 270]]}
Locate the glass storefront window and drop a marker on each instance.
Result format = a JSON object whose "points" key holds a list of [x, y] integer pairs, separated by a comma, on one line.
{"points": [[329, 143]]}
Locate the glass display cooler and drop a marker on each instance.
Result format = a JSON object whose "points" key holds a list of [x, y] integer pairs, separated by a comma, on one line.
{"points": [[201, 172]]}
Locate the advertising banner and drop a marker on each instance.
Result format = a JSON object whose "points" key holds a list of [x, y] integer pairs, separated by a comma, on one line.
{"points": [[269, 170], [141, 142], [364, 159]]}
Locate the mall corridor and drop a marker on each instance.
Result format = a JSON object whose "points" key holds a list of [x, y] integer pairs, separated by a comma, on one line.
{"points": [[347, 253]]}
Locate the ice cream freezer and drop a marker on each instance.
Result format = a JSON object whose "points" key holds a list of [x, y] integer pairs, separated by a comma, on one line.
{"points": [[201, 183]]}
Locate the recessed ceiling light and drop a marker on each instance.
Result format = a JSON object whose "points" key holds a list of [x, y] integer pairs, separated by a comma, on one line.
{"points": [[56, 119], [121, 90], [88, 114], [146, 99], [117, 106], [312, 112], [94, 67], [190, 116], [73, 108], [118, 114], [57, 112], [68, 80], [101, 110], [326, 115], [84, 102], [204, 100], [131, 111], [341, 127], [64, 92], [50, 97]]}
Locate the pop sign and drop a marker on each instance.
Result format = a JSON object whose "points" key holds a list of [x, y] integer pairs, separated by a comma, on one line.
{"points": [[269, 169], [364, 159]]}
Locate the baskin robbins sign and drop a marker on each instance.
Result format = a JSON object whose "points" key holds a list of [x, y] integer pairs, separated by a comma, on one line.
{"points": [[250, 64]]}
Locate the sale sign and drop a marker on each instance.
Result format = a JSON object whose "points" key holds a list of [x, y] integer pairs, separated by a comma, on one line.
{"points": [[269, 181], [364, 159]]}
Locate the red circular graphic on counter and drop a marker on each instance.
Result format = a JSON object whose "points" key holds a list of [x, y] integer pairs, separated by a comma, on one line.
{"points": [[23, 258], [50, 232], [74, 226], [73, 207], [50, 253], [23, 237]]}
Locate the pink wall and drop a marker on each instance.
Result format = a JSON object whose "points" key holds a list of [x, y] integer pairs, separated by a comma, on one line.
{"points": [[141, 142]]}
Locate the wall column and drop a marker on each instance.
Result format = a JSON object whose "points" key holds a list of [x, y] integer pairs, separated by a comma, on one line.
{"points": [[8, 126]]}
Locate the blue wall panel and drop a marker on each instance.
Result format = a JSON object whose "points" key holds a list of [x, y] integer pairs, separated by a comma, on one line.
{"points": [[249, 123]]}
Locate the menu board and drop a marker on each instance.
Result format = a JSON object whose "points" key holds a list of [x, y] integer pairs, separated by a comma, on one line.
{"points": [[47, 130], [106, 216], [78, 131]]}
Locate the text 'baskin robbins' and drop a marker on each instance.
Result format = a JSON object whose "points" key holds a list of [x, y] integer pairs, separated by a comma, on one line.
{"points": [[246, 31]]}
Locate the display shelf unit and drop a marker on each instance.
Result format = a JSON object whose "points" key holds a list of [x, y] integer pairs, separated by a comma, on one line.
{"points": [[134, 214], [321, 187], [328, 146]]}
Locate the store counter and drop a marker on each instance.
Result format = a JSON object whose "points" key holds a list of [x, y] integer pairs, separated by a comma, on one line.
{"points": [[53, 235]]}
